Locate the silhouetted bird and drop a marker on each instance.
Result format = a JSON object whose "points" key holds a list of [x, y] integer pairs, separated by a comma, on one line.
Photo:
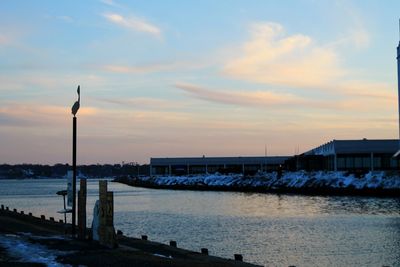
{"points": [[76, 105]]}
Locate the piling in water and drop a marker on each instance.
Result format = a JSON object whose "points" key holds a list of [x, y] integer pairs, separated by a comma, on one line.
{"points": [[204, 251], [144, 237], [172, 243]]}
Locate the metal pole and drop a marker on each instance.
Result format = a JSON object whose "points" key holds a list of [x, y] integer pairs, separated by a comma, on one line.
{"points": [[73, 175], [398, 82], [65, 208]]}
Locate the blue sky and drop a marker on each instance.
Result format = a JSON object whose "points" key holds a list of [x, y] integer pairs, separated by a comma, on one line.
{"points": [[193, 78]]}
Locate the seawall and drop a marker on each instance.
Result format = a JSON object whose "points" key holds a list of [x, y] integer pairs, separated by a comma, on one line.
{"points": [[316, 183]]}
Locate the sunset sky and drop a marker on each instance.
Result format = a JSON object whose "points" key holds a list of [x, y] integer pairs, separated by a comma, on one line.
{"points": [[193, 78]]}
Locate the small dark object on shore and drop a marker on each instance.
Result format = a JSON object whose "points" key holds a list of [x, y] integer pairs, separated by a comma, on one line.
{"points": [[172, 243], [204, 251], [144, 237], [238, 257]]}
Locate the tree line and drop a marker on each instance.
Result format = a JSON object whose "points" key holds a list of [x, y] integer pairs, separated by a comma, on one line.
{"points": [[24, 171]]}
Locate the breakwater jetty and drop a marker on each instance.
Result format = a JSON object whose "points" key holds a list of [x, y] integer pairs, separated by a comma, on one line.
{"points": [[53, 237], [382, 184]]}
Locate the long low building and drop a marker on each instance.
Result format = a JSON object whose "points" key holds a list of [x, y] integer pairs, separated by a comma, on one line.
{"points": [[352, 155], [196, 165]]}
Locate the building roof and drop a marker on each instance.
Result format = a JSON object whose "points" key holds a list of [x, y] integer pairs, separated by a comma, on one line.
{"points": [[218, 160], [389, 146]]}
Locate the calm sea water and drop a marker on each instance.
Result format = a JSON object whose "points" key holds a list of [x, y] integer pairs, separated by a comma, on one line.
{"points": [[268, 229]]}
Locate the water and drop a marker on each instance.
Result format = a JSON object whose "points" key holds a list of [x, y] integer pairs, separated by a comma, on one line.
{"points": [[268, 229]]}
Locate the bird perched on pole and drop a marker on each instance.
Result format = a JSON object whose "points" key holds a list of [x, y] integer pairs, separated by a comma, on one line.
{"points": [[76, 105]]}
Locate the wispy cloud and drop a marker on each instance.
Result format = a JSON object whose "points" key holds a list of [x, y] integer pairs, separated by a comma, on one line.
{"points": [[143, 103], [29, 115], [271, 57], [110, 3], [133, 23], [156, 67], [357, 33], [4, 39], [258, 98], [358, 97], [65, 18], [374, 90]]}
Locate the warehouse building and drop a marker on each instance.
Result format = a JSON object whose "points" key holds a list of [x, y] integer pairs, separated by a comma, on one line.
{"points": [[197, 165], [351, 155]]}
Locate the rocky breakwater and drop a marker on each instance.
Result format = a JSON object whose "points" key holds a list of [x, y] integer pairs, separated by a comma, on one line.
{"points": [[301, 182]]}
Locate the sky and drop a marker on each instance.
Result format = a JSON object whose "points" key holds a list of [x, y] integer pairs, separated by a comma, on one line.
{"points": [[192, 78]]}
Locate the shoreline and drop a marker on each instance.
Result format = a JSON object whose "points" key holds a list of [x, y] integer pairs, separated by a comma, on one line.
{"points": [[270, 185]]}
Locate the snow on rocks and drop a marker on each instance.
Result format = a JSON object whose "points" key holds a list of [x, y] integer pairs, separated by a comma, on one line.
{"points": [[289, 180]]}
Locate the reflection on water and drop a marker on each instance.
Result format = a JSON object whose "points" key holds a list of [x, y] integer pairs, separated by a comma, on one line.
{"points": [[273, 230]]}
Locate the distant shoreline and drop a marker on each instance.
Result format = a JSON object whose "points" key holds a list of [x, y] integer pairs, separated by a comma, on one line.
{"points": [[274, 187]]}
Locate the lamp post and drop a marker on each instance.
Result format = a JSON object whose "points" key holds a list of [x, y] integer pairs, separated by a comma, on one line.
{"points": [[74, 110]]}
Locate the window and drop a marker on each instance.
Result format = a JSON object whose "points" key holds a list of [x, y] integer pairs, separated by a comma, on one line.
{"points": [[367, 162], [341, 163], [349, 162], [358, 162]]}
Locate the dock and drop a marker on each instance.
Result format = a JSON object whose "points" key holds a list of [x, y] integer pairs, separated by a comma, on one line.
{"points": [[55, 236]]}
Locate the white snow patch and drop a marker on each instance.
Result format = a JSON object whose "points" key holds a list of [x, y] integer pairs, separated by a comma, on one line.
{"points": [[17, 247], [163, 256], [299, 179]]}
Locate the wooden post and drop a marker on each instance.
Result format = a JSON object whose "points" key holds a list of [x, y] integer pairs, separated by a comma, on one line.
{"points": [[82, 209], [107, 235], [110, 209], [102, 208]]}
